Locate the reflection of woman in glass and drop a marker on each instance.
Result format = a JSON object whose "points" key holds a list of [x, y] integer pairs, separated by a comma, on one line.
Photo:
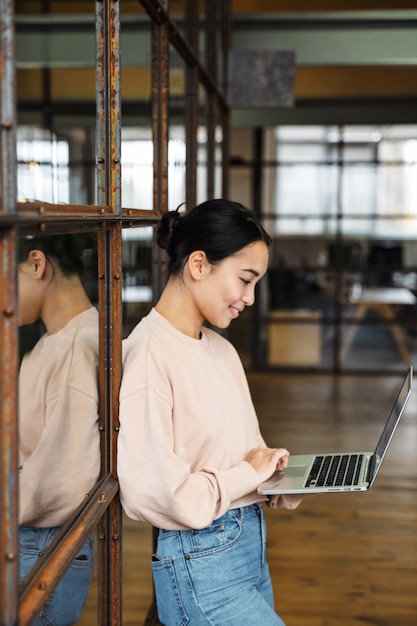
{"points": [[59, 450], [191, 454]]}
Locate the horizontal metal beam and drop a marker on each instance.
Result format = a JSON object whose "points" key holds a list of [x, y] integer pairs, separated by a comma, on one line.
{"points": [[312, 111], [39, 218]]}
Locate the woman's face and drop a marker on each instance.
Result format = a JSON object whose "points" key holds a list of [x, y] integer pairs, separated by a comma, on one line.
{"points": [[229, 286]]}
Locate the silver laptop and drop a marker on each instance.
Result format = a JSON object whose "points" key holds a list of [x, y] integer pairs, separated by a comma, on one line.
{"points": [[345, 471]]}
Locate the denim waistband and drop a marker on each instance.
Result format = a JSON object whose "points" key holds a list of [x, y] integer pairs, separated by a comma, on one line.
{"points": [[240, 511], [37, 538]]}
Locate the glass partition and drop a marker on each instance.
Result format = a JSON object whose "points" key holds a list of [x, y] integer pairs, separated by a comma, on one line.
{"points": [[103, 131], [339, 203]]}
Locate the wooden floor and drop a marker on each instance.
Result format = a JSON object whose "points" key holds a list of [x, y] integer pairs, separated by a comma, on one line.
{"points": [[340, 559]]}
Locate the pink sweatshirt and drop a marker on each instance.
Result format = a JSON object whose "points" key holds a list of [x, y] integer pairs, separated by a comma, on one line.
{"points": [[187, 421], [59, 446]]}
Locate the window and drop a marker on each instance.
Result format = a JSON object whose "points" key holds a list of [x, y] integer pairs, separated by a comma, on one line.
{"points": [[43, 166], [364, 174]]}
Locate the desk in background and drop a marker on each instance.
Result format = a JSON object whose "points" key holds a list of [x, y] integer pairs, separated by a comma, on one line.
{"points": [[383, 301]]}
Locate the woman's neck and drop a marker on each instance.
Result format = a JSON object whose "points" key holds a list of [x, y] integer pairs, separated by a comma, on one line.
{"points": [[62, 303], [177, 307]]}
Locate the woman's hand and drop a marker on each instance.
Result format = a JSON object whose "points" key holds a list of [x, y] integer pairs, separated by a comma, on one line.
{"points": [[266, 461]]}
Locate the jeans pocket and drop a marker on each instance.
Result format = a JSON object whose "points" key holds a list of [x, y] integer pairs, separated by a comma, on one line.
{"points": [[171, 610], [86, 554], [222, 534], [66, 603]]}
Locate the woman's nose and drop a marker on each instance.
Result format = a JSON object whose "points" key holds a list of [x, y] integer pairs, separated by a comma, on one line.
{"points": [[249, 298]]}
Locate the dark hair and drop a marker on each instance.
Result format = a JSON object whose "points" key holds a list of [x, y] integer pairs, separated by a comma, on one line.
{"points": [[65, 250], [218, 227]]}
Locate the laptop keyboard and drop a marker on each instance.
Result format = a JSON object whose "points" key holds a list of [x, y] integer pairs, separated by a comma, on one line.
{"points": [[335, 470]]}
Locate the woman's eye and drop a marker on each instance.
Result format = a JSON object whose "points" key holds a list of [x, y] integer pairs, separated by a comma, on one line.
{"points": [[245, 282]]}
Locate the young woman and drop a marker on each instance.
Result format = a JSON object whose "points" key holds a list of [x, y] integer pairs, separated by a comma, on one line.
{"points": [[59, 448], [191, 455]]}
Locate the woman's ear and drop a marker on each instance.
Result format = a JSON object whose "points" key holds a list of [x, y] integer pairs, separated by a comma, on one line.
{"points": [[198, 264], [37, 263]]}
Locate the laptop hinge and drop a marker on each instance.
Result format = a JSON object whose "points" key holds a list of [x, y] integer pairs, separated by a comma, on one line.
{"points": [[373, 461]]}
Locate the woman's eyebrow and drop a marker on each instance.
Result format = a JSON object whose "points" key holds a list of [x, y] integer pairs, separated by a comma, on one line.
{"points": [[254, 272]]}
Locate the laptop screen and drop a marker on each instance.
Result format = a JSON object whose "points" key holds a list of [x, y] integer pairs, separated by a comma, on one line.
{"points": [[391, 425]]}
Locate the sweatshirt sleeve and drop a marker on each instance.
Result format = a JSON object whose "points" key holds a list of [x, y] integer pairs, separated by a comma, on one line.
{"points": [[156, 484]]}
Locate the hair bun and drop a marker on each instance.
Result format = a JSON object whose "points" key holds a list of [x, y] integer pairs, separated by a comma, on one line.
{"points": [[166, 228]]}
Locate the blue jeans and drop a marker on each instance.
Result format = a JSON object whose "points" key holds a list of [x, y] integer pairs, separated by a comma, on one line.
{"points": [[64, 606], [217, 575]]}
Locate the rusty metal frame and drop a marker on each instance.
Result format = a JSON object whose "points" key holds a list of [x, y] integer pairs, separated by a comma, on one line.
{"points": [[226, 29], [160, 112], [191, 104], [43, 577], [211, 65], [160, 125], [198, 74], [8, 324], [101, 509], [8, 461], [108, 134]]}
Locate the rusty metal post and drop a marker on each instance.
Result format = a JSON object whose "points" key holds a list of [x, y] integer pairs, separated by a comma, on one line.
{"points": [[8, 424], [225, 113], [191, 105], [160, 115], [160, 104], [212, 108], [108, 132], [8, 326]]}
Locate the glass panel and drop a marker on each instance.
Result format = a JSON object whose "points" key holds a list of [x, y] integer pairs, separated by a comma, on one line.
{"points": [[176, 132], [241, 184], [396, 193], [176, 166], [209, 147], [56, 83], [56, 167], [359, 186], [353, 152], [202, 148], [381, 328], [137, 290], [43, 166], [304, 134], [241, 151], [137, 166], [218, 157], [301, 301], [307, 152], [366, 174], [305, 191], [137, 150], [58, 393]]}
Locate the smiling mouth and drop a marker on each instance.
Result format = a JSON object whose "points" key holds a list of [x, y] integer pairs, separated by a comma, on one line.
{"points": [[236, 312]]}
